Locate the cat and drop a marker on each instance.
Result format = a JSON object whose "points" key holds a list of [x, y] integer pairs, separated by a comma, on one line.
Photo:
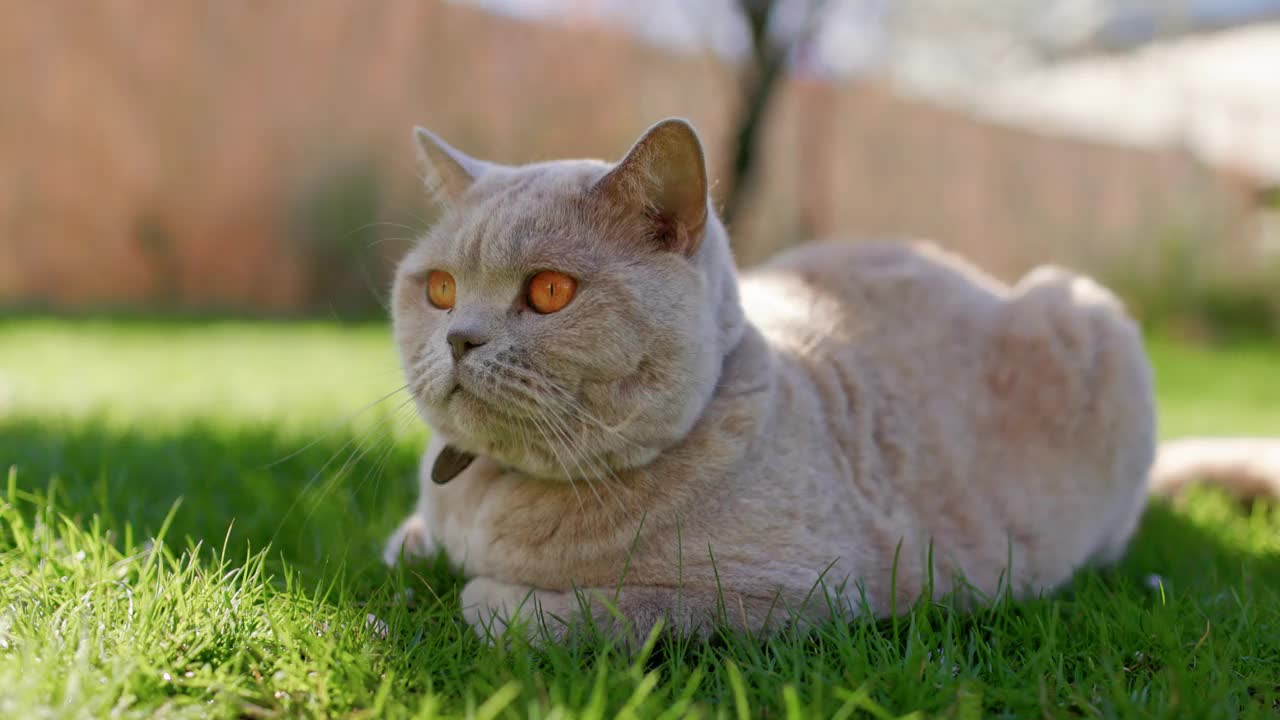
{"points": [[626, 432]]}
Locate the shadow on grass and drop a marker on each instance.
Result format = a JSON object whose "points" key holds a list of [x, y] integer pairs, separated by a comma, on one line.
{"points": [[337, 499], [317, 506], [1215, 592]]}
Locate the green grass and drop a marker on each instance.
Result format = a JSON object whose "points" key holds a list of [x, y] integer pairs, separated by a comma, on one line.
{"points": [[253, 596]]}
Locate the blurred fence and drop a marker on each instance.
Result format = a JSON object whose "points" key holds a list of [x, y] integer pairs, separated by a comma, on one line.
{"points": [[257, 155]]}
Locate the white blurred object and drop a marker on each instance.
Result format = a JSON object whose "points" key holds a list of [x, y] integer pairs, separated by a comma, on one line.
{"points": [[1203, 75], [1249, 467], [1216, 95]]}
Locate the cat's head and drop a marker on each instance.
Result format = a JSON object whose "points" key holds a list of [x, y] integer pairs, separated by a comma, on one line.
{"points": [[568, 318]]}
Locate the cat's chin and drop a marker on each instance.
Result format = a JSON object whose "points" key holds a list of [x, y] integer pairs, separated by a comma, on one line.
{"points": [[475, 414], [499, 431], [487, 429], [500, 440], [517, 459]]}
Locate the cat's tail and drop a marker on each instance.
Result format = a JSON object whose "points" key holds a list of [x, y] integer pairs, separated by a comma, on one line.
{"points": [[1246, 467]]}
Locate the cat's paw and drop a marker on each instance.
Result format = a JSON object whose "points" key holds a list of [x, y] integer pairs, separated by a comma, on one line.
{"points": [[491, 606], [411, 540]]}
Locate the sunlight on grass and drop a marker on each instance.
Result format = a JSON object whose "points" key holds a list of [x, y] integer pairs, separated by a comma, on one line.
{"points": [[297, 376], [1231, 391], [189, 528]]}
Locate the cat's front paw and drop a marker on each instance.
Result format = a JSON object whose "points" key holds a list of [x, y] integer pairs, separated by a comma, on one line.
{"points": [[411, 540], [491, 606]]}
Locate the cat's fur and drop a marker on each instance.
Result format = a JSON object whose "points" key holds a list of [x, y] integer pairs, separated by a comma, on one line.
{"points": [[844, 429]]}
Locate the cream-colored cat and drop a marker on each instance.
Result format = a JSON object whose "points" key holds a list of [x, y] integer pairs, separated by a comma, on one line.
{"points": [[623, 427]]}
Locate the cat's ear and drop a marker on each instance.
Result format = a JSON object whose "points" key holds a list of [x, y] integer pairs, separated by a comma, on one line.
{"points": [[664, 176], [448, 171]]}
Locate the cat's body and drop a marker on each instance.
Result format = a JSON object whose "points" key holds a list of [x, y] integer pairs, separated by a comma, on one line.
{"points": [[850, 424]]}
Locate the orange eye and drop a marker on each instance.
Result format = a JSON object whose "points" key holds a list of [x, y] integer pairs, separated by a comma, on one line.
{"points": [[550, 291], [440, 289]]}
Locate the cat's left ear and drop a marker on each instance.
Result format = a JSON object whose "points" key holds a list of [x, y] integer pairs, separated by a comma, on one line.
{"points": [[449, 171], [664, 176]]}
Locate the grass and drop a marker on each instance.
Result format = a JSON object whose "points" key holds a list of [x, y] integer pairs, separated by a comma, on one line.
{"points": [[190, 526]]}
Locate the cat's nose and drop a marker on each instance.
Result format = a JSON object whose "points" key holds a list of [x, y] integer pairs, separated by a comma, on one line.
{"points": [[462, 341]]}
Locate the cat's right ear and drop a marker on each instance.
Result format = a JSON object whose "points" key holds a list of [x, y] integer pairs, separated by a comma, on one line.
{"points": [[664, 175], [448, 172]]}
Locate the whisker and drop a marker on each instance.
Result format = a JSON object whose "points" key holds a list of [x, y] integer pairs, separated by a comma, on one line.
{"points": [[516, 390], [581, 505], [548, 405], [576, 451], [555, 411], [419, 218], [567, 406], [310, 482], [575, 457], [379, 241], [383, 223], [335, 426], [599, 464], [558, 426], [566, 399], [354, 458], [388, 451]]}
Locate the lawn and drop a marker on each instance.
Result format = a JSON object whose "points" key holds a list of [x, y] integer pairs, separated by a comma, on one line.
{"points": [[191, 515]]}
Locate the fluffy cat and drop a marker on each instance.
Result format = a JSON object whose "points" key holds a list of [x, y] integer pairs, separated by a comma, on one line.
{"points": [[626, 431]]}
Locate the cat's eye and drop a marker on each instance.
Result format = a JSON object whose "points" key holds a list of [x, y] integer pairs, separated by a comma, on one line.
{"points": [[549, 291], [440, 289]]}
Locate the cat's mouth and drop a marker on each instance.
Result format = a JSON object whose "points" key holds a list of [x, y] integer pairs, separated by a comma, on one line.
{"points": [[491, 427], [471, 399], [460, 394], [469, 413], [483, 404]]}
